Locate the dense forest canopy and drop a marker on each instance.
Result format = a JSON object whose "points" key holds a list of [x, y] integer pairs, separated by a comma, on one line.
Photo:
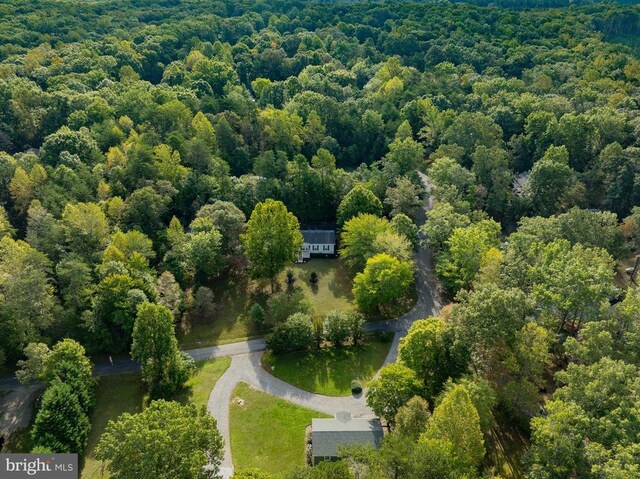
{"points": [[148, 149]]}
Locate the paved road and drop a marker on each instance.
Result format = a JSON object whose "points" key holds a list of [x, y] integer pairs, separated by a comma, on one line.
{"points": [[123, 365], [247, 367]]}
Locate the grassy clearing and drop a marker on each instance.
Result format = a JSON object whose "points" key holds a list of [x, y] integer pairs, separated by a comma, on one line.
{"points": [[330, 371], [333, 290], [234, 296], [267, 432], [505, 446], [125, 393]]}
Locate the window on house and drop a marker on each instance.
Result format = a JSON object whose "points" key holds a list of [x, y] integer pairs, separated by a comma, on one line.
{"points": [[325, 247], [316, 247]]}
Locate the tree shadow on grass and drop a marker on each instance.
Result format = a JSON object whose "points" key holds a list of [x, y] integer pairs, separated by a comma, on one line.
{"points": [[329, 371]]}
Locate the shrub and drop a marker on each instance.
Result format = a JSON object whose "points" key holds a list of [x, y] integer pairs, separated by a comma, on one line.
{"points": [[356, 327], [282, 305], [337, 328], [313, 278], [318, 331], [295, 334], [290, 278], [257, 314], [356, 387]]}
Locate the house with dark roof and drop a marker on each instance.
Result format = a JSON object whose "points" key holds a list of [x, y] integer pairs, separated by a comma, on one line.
{"points": [[317, 242], [328, 435]]}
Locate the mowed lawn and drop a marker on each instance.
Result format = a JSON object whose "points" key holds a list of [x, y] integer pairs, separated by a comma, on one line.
{"points": [[330, 371], [333, 289], [267, 432], [125, 393], [234, 296]]}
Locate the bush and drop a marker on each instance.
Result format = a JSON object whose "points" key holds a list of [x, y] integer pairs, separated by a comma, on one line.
{"points": [[257, 314], [295, 334], [356, 387], [313, 278], [290, 278], [337, 328], [282, 305], [356, 327], [318, 331]]}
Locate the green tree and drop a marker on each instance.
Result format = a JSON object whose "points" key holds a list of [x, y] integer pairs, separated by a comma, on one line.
{"points": [[61, 424], [403, 225], [28, 305], [403, 198], [424, 349], [452, 183], [360, 200], [5, 225], [155, 347], [74, 142], [406, 153], [337, 327], [33, 367], [573, 282], [145, 210], [272, 239], [358, 236], [441, 221], [228, 219], [461, 261], [471, 130], [296, 333], [391, 390], [114, 310], [456, 420], [86, 228], [384, 281], [411, 419], [166, 440], [549, 181]]}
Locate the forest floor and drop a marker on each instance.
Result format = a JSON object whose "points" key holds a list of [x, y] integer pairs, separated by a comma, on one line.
{"points": [[330, 371], [506, 445]]}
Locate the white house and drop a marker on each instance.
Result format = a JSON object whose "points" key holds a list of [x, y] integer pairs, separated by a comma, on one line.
{"points": [[317, 242]]}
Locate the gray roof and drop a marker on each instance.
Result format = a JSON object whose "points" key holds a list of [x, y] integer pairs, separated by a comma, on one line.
{"points": [[319, 236], [329, 434]]}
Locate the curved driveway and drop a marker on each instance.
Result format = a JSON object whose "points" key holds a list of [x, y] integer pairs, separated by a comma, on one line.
{"points": [[247, 367]]}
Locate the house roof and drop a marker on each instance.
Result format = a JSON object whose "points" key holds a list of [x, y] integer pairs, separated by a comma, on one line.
{"points": [[329, 434], [319, 236]]}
